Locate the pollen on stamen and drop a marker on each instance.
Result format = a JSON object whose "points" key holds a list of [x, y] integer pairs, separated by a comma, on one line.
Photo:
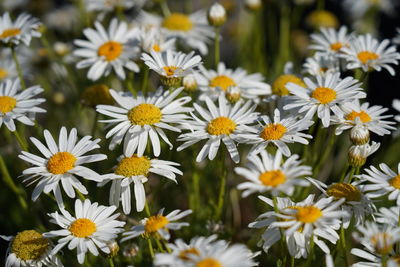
{"points": [[344, 190], [324, 95], [10, 32], [7, 104], [177, 22], [82, 227], [272, 178], [133, 166], [144, 114], [61, 162], [364, 117], [308, 214], [273, 131], [366, 56], [111, 50], [223, 82], [221, 125], [155, 223], [29, 245]]}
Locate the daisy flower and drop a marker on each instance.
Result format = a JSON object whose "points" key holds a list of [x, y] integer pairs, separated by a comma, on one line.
{"points": [[279, 132], [358, 154], [357, 203], [19, 105], [320, 65], [30, 248], [329, 41], [153, 40], [158, 225], [21, 30], [314, 218], [388, 216], [396, 106], [108, 50], [224, 123], [358, 8], [60, 164], [323, 95], [134, 169], [171, 66], [192, 30], [213, 83], [353, 113], [92, 228], [267, 173], [279, 86], [382, 182], [369, 54], [139, 118]]}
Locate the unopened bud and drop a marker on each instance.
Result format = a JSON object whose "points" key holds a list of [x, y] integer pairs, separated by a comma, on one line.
{"points": [[216, 15], [114, 248], [171, 81], [358, 155], [190, 83], [253, 5], [233, 94], [359, 135]]}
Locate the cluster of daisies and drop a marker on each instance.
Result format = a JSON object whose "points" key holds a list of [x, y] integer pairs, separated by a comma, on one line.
{"points": [[199, 108]]}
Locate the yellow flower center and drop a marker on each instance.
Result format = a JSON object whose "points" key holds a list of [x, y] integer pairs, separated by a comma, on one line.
{"points": [[322, 18], [154, 223], [61, 162], [324, 95], [272, 178], [82, 227], [177, 22], [395, 182], [279, 85], [7, 103], [133, 166], [364, 117], [223, 82], [273, 131], [29, 245], [10, 32], [365, 56], [3, 73], [344, 190], [145, 114], [184, 254], [208, 262], [156, 48], [221, 125], [308, 214], [382, 243], [170, 70], [110, 50], [336, 46]]}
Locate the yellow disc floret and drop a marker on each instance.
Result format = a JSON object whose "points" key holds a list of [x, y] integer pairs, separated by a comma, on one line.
{"points": [[366, 56], [395, 182], [82, 227], [209, 262], [184, 254], [111, 50], [144, 114], [155, 223], [7, 103], [336, 46], [272, 178], [308, 214], [364, 117], [133, 166], [273, 131], [344, 190], [170, 70], [279, 85], [221, 125], [223, 82], [29, 245], [324, 95], [61, 162], [177, 22], [10, 32]]}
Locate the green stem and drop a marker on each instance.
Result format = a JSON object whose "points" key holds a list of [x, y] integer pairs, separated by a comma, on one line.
{"points": [[147, 209], [291, 261], [80, 195], [326, 153], [274, 200], [221, 195], [22, 142], [165, 8], [150, 247], [94, 127], [351, 173], [343, 175], [311, 252], [343, 245], [160, 247], [18, 66], [111, 262], [216, 47], [145, 78], [129, 83]]}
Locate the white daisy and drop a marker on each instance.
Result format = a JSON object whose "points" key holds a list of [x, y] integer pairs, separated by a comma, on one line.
{"points": [[388, 216], [192, 30], [134, 169], [171, 66], [330, 41], [323, 95], [153, 40], [351, 114], [139, 118], [158, 225], [269, 173], [91, 229], [106, 51], [30, 249], [18, 105], [279, 132], [213, 83], [181, 251], [224, 123], [396, 106], [382, 182], [7, 67], [320, 65], [319, 219], [60, 164], [357, 203], [21, 30], [358, 8], [358, 154], [369, 54]]}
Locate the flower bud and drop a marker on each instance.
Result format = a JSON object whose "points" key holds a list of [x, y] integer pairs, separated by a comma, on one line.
{"points": [[216, 15], [233, 94], [253, 5], [171, 81], [357, 155], [114, 248], [359, 135], [190, 83]]}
